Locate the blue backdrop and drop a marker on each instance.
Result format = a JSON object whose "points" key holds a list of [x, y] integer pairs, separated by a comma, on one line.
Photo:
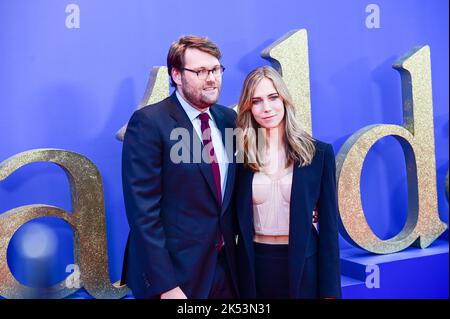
{"points": [[73, 88]]}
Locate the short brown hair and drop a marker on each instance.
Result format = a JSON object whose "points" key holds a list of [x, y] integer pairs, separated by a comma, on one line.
{"points": [[175, 57]]}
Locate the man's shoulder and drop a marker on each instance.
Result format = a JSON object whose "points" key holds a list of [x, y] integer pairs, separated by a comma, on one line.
{"points": [[156, 109], [151, 116]]}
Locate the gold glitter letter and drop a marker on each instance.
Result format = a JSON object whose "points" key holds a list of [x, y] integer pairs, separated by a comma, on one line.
{"points": [[289, 56], [416, 138], [87, 221]]}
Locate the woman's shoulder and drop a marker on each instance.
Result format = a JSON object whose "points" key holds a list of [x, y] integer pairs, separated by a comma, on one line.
{"points": [[322, 146]]}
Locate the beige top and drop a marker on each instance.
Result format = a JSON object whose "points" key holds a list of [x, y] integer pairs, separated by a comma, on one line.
{"points": [[271, 199]]}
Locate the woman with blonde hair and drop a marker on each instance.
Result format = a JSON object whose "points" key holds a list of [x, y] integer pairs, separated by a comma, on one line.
{"points": [[285, 175]]}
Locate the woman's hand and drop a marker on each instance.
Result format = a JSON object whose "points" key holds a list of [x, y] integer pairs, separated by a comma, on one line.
{"points": [[315, 218]]}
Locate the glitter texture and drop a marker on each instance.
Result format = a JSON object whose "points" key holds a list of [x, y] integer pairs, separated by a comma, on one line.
{"points": [[416, 138], [87, 220]]}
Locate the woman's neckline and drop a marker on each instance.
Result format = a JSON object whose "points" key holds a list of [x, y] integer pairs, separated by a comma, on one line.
{"points": [[280, 174]]}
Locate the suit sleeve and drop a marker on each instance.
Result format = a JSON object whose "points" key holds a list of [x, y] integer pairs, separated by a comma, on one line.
{"points": [[329, 262], [142, 187]]}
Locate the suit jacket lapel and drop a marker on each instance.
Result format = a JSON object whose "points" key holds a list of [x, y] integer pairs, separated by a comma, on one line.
{"points": [[182, 121], [222, 125]]}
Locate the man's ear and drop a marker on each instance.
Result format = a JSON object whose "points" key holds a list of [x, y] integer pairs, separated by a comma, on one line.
{"points": [[176, 76]]}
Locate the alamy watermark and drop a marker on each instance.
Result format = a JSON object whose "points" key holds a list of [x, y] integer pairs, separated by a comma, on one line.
{"points": [[373, 276], [373, 19], [189, 143], [73, 19], [73, 280]]}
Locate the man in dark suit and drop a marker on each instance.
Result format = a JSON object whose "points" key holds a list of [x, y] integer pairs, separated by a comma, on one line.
{"points": [[179, 207]]}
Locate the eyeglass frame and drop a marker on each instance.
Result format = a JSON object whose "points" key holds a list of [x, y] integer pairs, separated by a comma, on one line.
{"points": [[221, 67]]}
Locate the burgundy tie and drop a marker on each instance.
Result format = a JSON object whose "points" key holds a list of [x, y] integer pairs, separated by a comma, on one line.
{"points": [[206, 137]]}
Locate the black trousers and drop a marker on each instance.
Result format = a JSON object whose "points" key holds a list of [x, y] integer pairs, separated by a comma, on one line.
{"points": [[222, 287], [271, 271]]}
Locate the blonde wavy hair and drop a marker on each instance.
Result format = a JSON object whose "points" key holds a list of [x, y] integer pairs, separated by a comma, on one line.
{"points": [[299, 144]]}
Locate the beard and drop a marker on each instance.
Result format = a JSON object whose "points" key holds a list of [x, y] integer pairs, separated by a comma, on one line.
{"points": [[203, 97]]}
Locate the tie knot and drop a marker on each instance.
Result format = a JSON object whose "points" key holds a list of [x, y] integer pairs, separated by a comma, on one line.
{"points": [[204, 117]]}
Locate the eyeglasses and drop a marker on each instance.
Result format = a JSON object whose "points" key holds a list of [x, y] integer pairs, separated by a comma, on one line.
{"points": [[203, 74]]}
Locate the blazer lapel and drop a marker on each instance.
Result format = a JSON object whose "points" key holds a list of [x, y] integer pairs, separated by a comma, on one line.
{"points": [[245, 211], [304, 187], [298, 230]]}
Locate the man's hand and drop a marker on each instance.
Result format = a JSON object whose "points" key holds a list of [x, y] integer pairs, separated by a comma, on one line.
{"points": [[175, 293]]}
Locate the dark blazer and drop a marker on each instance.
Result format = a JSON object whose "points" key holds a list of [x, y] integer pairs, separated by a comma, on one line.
{"points": [[313, 258], [173, 211]]}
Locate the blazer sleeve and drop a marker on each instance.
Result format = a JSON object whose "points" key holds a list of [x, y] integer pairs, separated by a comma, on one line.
{"points": [[329, 261], [142, 188]]}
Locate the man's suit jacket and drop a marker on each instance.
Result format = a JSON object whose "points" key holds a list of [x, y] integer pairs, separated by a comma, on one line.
{"points": [[313, 258], [174, 216]]}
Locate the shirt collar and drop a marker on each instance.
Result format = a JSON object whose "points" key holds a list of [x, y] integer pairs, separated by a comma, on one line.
{"points": [[191, 112]]}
